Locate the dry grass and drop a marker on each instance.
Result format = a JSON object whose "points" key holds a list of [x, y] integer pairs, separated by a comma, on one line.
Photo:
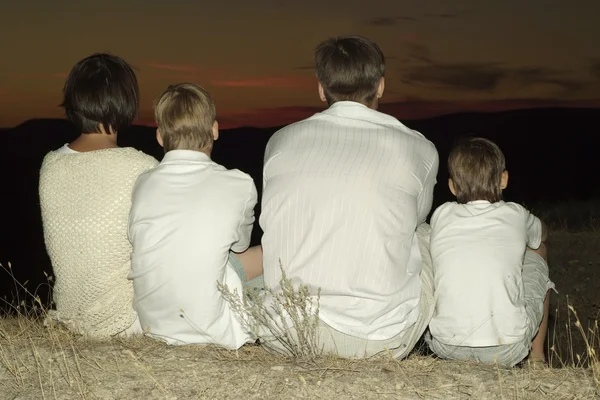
{"points": [[39, 361], [290, 316], [48, 362]]}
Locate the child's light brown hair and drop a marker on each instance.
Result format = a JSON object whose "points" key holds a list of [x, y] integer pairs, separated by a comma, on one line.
{"points": [[185, 114], [476, 166]]}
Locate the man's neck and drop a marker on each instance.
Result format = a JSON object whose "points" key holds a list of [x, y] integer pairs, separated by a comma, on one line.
{"points": [[374, 105]]}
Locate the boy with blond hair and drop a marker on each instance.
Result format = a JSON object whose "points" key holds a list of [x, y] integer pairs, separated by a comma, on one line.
{"points": [[490, 266], [190, 227]]}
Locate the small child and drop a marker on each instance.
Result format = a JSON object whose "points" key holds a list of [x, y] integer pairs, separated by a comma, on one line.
{"points": [[490, 266], [189, 218]]}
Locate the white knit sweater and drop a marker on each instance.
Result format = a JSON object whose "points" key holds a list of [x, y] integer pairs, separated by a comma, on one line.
{"points": [[85, 200]]}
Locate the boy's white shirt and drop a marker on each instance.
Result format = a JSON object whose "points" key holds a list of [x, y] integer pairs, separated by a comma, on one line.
{"points": [[477, 250], [186, 215]]}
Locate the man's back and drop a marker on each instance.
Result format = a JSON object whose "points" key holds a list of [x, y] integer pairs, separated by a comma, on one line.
{"points": [[186, 215], [343, 193]]}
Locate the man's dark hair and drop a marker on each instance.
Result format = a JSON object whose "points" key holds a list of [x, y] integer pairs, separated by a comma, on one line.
{"points": [[101, 89], [349, 68], [475, 166]]}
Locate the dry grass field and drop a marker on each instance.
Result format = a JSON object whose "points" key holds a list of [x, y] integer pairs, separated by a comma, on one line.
{"points": [[40, 361]]}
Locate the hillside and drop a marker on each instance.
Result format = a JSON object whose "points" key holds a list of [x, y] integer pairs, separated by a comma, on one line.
{"points": [[551, 155]]}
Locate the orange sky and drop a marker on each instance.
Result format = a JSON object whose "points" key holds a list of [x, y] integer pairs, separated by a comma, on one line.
{"points": [[256, 57]]}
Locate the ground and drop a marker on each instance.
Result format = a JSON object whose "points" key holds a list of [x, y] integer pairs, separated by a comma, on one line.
{"points": [[47, 362], [574, 260]]}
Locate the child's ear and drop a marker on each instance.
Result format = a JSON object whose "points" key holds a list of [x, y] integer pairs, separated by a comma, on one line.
{"points": [[451, 186], [215, 130], [159, 138], [504, 180]]}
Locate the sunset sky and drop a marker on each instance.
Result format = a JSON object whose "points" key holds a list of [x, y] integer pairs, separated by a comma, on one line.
{"points": [[256, 57]]}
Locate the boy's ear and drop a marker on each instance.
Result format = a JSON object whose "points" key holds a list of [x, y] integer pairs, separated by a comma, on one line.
{"points": [[451, 186], [159, 138], [215, 130], [322, 93], [504, 180]]}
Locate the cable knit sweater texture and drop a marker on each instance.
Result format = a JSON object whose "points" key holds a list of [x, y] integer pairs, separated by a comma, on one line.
{"points": [[85, 201]]}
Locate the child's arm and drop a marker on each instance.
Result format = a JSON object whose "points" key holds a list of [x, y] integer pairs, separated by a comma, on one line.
{"points": [[246, 220], [537, 231]]}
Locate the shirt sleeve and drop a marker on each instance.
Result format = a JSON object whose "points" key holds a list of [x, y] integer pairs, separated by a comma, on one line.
{"points": [[534, 230], [425, 198], [247, 221], [436, 214]]}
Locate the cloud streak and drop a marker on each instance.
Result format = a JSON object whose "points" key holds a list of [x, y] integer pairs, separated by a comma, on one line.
{"points": [[389, 21], [41, 75], [481, 76], [595, 68], [173, 67], [443, 15], [386, 21], [284, 82]]}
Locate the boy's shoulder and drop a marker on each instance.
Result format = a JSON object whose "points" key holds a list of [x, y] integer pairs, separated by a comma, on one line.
{"points": [[234, 179], [481, 209], [233, 173], [445, 207], [477, 208], [442, 211]]}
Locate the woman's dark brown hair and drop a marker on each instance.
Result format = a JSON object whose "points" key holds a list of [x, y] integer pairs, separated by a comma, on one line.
{"points": [[101, 89]]}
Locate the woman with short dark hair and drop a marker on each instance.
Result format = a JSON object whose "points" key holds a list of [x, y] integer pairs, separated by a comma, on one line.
{"points": [[85, 197]]}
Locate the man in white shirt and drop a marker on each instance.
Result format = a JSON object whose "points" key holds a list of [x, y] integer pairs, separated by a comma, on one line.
{"points": [[492, 294], [344, 193], [188, 215]]}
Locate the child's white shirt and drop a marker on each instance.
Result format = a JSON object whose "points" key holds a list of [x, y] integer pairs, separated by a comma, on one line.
{"points": [[477, 250], [187, 214]]}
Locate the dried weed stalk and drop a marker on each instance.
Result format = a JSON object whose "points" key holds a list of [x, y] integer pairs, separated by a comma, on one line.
{"points": [[290, 317]]}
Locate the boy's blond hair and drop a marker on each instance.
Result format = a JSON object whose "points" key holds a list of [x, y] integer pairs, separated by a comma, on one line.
{"points": [[185, 114], [475, 166]]}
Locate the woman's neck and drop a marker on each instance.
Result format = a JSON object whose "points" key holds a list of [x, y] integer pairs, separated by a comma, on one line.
{"points": [[94, 141]]}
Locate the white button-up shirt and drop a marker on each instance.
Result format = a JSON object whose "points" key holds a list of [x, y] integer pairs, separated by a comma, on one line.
{"points": [[187, 214], [344, 191], [477, 250]]}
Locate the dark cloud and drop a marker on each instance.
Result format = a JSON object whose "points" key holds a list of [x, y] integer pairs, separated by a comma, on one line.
{"points": [[382, 21], [595, 68], [389, 21], [443, 15], [466, 76], [480, 77], [420, 53]]}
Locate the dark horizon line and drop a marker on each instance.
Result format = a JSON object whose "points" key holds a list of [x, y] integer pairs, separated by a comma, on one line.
{"points": [[443, 115]]}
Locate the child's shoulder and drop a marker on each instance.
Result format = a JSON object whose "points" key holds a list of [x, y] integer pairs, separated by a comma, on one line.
{"points": [[443, 209], [233, 174], [449, 205], [514, 206]]}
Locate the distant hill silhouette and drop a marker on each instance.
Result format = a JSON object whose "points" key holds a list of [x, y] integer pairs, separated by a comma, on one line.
{"points": [[552, 155]]}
